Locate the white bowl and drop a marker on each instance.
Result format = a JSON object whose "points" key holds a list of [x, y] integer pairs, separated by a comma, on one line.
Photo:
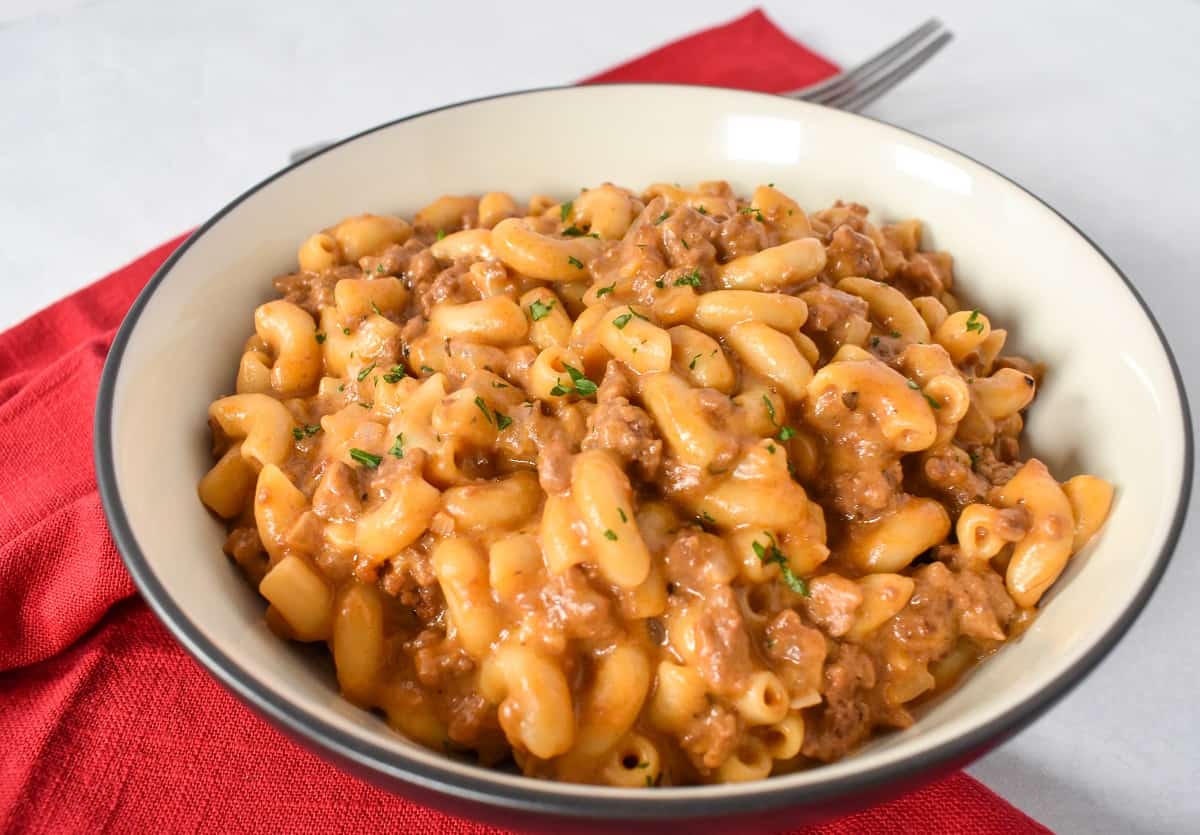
{"points": [[1112, 405]]}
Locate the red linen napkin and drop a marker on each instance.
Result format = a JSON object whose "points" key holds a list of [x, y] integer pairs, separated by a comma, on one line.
{"points": [[105, 722]]}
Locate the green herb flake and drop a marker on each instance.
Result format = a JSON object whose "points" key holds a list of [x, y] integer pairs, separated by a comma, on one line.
{"points": [[499, 385], [397, 446], [346, 331], [583, 386], [503, 421], [692, 364], [539, 310], [479, 401], [379, 268], [395, 374], [604, 291], [771, 554], [771, 448], [685, 243], [770, 409], [662, 217], [974, 459], [342, 387], [320, 337], [574, 262], [751, 210], [912, 384], [375, 307], [933, 404], [786, 433], [610, 535], [702, 210], [362, 375], [441, 234], [874, 341], [894, 334], [659, 283], [973, 323], [707, 517], [573, 232], [306, 431], [559, 390], [564, 211], [365, 405], [365, 458], [425, 369], [621, 513], [691, 279], [621, 321]]}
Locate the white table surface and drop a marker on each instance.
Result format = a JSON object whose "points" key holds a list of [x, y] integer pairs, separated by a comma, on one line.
{"points": [[128, 121]]}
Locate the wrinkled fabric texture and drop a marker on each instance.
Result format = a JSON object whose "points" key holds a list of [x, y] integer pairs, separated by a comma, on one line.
{"points": [[106, 723]]}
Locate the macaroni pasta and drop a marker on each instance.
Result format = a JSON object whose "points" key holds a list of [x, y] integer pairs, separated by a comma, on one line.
{"points": [[638, 489]]}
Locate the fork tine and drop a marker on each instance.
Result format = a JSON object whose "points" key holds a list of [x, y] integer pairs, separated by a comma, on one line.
{"points": [[877, 68], [856, 100], [813, 91]]}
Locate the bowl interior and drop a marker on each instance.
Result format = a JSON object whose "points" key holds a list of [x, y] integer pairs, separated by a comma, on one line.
{"points": [[1109, 406]]}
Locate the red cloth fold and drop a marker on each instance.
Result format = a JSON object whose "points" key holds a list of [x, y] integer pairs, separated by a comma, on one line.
{"points": [[106, 723]]}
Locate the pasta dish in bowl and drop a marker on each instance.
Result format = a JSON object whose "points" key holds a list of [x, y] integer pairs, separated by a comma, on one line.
{"points": [[642, 489], [597, 490]]}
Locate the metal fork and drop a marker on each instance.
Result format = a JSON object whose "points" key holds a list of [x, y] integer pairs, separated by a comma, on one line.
{"points": [[860, 85], [851, 90]]}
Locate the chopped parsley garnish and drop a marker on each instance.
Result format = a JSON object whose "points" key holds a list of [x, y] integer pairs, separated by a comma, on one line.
{"points": [[786, 433], [580, 384], [609, 535], [771, 448], [973, 323], [362, 375], [770, 409], [574, 262], [320, 337], [933, 404], [662, 217], [750, 210], [691, 279], [621, 513], [346, 331], [499, 385], [342, 387], [573, 232], [621, 321], [539, 310], [874, 341], [702, 210], [395, 374], [365, 405], [974, 459], [398, 446], [707, 517], [375, 307], [564, 211], [379, 268], [482, 404], [912, 384], [503, 421], [425, 369], [365, 458], [659, 283], [685, 243], [772, 554], [306, 431], [441, 234], [692, 364], [604, 291], [894, 334]]}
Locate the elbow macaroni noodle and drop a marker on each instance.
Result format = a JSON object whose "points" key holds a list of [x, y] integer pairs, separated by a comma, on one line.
{"points": [[638, 489]]}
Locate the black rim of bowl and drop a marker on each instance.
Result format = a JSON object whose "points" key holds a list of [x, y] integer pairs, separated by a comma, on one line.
{"points": [[545, 797]]}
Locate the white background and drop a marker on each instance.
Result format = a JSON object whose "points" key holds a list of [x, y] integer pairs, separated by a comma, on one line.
{"points": [[125, 122]]}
